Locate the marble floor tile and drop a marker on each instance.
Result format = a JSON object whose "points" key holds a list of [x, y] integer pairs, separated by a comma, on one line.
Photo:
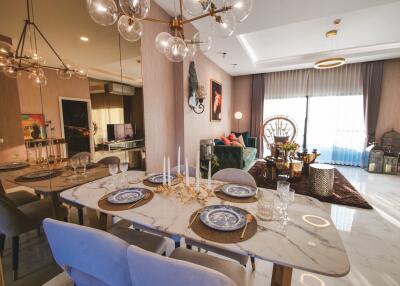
{"points": [[371, 238]]}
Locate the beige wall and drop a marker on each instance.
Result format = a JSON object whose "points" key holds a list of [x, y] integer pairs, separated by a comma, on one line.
{"points": [[389, 113], [158, 95], [242, 86]]}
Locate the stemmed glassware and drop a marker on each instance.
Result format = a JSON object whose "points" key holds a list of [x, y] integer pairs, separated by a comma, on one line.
{"points": [[84, 161], [113, 170], [283, 188], [74, 162], [123, 166]]}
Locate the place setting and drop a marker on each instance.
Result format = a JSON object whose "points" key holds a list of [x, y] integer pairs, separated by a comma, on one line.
{"points": [[223, 224], [237, 193], [40, 175], [12, 166], [125, 199]]}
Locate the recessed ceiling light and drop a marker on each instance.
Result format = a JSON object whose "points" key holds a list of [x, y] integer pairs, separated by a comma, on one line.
{"points": [[84, 39]]}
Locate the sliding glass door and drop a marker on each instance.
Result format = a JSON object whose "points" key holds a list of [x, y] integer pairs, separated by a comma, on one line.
{"points": [[335, 125]]}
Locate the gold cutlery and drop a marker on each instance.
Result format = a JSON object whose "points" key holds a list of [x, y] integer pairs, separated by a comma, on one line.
{"points": [[146, 196], [249, 219], [195, 216]]}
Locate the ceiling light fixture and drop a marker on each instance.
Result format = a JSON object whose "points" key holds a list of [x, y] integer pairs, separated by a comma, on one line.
{"points": [[333, 62], [84, 39], [175, 46], [25, 59]]}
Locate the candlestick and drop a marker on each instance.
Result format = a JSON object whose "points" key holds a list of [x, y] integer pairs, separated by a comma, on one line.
{"points": [[169, 172], [187, 172], [197, 171], [209, 175], [179, 161], [163, 174]]}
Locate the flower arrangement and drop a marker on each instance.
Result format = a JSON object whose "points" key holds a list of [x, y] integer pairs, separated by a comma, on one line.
{"points": [[288, 147]]}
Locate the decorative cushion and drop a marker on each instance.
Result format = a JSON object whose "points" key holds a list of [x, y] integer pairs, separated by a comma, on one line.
{"points": [[225, 140], [232, 136], [241, 141], [236, 144], [218, 142], [245, 136]]}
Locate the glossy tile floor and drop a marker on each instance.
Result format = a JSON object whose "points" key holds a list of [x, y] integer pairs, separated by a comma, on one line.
{"points": [[371, 238]]}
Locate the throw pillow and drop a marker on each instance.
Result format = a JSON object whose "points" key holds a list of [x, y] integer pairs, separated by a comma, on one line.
{"points": [[245, 136], [236, 144], [225, 140], [241, 141], [232, 136], [219, 142]]}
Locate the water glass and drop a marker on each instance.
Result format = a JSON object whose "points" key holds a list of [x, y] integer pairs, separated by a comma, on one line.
{"points": [[283, 188], [113, 170], [265, 207], [84, 161], [74, 164], [123, 166]]}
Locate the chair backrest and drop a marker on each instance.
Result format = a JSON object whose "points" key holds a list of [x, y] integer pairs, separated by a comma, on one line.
{"points": [[109, 160], [279, 128], [89, 256], [81, 154], [236, 176], [148, 269], [2, 190], [13, 221], [192, 170]]}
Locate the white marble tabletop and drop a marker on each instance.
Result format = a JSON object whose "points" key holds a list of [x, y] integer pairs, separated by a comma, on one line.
{"points": [[298, 244]]}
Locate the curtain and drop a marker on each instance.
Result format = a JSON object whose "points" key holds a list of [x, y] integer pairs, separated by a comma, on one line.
{"points": [[257, 110], [286, 84], [372, 74]]}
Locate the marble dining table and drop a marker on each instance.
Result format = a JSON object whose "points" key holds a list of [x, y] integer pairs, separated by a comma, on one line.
{"points": [[308, 241]]}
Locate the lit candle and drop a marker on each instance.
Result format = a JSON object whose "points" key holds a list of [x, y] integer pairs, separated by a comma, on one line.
{"points": [[209, 176], [179, 161], [187, 172], [169, 173], [197, 171], [163, 173]]}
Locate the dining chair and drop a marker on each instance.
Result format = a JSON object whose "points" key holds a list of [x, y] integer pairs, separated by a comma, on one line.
{"points": [[192, 170], [89, 256], [109, 160], [15, 221], [184, 267], [236, 176], [80, 155]]}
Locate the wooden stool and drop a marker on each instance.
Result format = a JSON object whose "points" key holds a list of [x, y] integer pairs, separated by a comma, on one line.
{"points": [[321, 179]]}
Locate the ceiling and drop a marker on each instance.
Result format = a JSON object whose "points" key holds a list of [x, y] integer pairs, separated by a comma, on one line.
{"points": [[287, 34], [63, 22]]}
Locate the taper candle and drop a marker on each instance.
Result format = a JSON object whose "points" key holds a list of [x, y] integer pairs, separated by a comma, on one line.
{"points": [[179, 160], [164, 181], [169, 172], [197, 171], [209, 175], [187, 172]]}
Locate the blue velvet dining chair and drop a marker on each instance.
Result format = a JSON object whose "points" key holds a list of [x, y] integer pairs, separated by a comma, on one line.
{"points": [[90, 257]]}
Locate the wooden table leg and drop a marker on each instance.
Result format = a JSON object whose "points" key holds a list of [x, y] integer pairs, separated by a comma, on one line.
{"points": [[97, 221], [281, 275], [1, 274]]}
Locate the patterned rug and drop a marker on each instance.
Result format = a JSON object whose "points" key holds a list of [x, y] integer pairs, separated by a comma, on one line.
{"points": [[344, 192]]}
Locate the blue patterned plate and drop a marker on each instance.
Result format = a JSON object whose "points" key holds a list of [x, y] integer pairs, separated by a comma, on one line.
{"points": [[126, 196], [224, 218], [13, 166], [39, 174], [158, 178], [238, 191]]}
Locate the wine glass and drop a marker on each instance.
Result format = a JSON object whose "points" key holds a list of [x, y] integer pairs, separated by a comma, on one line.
{"points": [[283, 188], [74, 162], [113, 170], [84, 161], [123, 166]]}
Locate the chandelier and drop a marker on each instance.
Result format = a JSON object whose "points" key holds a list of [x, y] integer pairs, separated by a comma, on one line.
{"points": [[25, 58], [226, 14], [335, 62]]}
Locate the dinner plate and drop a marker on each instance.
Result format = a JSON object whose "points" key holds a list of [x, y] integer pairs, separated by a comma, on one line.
{"points": [[39, 174], [158, 178], [239, 191], [126, 196], [13, 166], [224, 218]]}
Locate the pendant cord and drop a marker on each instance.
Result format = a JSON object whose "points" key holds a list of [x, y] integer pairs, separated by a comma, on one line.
{"points": [[120, 61]]}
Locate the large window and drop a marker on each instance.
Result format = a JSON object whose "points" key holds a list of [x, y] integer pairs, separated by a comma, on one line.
{"points": [[335, 125]]}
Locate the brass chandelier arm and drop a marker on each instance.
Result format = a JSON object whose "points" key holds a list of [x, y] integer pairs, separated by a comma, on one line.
{"points": [[211, 13], [157, 20]]}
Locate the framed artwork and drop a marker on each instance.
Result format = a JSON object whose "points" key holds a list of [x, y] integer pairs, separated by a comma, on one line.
{"points": [[216, 100], [33, 126]]}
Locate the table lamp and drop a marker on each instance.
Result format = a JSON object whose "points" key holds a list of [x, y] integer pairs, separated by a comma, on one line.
{"points": [[238, 115]]}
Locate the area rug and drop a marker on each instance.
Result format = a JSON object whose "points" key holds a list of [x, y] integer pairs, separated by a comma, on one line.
{"points": [[344, 192]]}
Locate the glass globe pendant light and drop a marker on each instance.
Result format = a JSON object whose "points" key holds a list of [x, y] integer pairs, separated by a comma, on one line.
{"points": [[103, 12], [130, 28], [196, 7], [38, 77], [240, 9], [11, 71], [202, 41], [138, 9], [224, 25], [162, 42], [64, 73], [177, 50]]}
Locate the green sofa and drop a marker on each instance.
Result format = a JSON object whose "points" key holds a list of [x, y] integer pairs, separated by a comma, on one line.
{"points": [[236, 157]]}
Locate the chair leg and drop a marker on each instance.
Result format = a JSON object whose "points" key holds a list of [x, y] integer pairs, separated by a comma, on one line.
{"points": [[15, 252], [188, 246], [253, 263], [80, 216], [177, 244], [2, 242]]}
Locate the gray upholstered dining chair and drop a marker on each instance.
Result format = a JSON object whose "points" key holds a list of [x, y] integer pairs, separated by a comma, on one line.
{"points": [[236, 176], [192, 170], [109, 160], [15, 221], [183, 267], [89, 256]]}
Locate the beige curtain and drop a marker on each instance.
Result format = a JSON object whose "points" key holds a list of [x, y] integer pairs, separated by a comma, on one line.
{"points": [[286, 84]]}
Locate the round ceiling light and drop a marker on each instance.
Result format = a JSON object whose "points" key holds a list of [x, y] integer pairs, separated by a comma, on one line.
{"points": [[330, 63]]}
